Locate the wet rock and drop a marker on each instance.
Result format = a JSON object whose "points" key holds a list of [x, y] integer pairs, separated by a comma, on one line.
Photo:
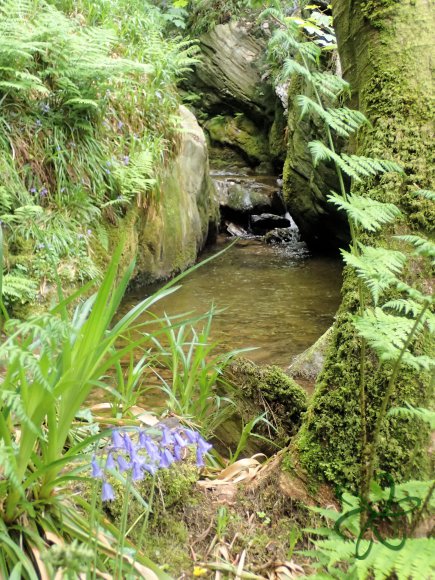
{"points": [[282, 236], [236, 231], [267, 221]]}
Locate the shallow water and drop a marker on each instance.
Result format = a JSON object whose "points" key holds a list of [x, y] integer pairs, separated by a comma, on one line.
{"points": [[276, 298]]}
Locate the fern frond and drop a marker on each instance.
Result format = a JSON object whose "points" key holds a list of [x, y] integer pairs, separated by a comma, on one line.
{"points": [[426, 415], [426, 193], [364, 212], [414, 560], [377, 267], [388, 334], [330, 85], [292, 67], [422, 246]]}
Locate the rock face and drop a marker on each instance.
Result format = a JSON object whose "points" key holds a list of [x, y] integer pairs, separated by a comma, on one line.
{"points": [[167, 236], [243, 111], [230, 66], [305, 187]]}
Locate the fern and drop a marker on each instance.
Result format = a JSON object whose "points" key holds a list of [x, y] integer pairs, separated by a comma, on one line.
{"points": [[17, 287], [426, 415], [388, 334], [364, 212], [376, 267], [422, 246]]}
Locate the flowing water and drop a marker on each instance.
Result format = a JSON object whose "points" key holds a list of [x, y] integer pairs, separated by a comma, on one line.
{"points": [[276, 298]]}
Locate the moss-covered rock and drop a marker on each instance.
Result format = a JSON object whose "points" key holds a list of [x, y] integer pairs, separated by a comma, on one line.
{"points": [[166, 236], [240, 133], [305, 186], [259, 389]]}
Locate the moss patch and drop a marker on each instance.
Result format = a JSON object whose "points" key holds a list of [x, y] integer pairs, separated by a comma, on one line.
{"points": [[242, 134], [259, 389]]}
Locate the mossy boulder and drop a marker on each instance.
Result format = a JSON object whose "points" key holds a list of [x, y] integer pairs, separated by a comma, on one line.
{"points": [[240, 133], [166, 236], [258, 389]]}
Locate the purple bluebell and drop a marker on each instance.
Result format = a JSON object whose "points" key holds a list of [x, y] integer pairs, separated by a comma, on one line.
{"points": [[110, 462], [33, 190], [178, 452], [38, 122], [43, 192], [199, 458], [192, 436], [123, 463], [96, 469], [120, 124], [88, 232], [166, 459], [137, 473], [117, 440], [150, 468], [143, 438], [203, 446], [166, 437], [126, 159], [128, 446], [107, 492], [152, 450], [179, 440]]}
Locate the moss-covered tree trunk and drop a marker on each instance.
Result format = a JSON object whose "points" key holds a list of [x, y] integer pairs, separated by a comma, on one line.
{"points": [[387, 52]]}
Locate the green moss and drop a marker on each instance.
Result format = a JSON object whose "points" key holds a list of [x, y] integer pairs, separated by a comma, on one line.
{"points": [[260, 388], [241, 133]]}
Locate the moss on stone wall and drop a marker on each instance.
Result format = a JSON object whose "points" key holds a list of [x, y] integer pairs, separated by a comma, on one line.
{"points": [[391, 76]]}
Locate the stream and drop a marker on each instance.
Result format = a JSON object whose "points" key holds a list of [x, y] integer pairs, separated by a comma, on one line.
{"points": [[276, 298]]}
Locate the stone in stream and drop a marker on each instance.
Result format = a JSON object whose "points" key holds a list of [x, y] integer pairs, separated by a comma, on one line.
{"points": [[268, 221], [282, 236]]}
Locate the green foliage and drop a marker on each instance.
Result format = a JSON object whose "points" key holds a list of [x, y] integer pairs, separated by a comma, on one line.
{"points": [[88, 119], [194, 370]]}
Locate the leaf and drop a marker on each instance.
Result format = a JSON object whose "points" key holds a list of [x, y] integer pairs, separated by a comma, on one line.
{"points": [[364, 212]]}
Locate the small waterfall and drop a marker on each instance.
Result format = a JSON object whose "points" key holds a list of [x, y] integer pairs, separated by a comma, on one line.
{"points": [[292, 225]]}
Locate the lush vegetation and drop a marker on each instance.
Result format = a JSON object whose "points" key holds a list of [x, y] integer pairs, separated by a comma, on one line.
{"points": [[88, 110], [89, 119]]}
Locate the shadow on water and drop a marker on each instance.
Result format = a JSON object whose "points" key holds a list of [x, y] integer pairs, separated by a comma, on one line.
{"points": [[276, 298]]}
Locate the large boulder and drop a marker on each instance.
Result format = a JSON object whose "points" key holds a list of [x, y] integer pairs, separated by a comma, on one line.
{"points": [[167, 235], [229, 71]]}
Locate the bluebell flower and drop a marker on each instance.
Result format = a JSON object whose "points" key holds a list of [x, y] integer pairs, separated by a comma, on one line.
{"points": [[199, 458], [128, 446], [126, 159], [89, 232], [110, 462], [96, 469], [137, 474], [117, 440], [166, 437], [43, 192], [178, 452], [179, 440], [150, 468], [120, 124], [123, 464], [192, 436], [203, 446], [166, 459], [33, 190], [152, 450], [107, 492], [38, 122]]}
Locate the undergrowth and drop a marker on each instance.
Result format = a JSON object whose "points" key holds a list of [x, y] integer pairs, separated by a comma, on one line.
{"points": [[88, 119]]}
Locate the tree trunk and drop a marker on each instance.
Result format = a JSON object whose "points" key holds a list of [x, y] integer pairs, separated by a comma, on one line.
{"points": [[387, 51]]}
